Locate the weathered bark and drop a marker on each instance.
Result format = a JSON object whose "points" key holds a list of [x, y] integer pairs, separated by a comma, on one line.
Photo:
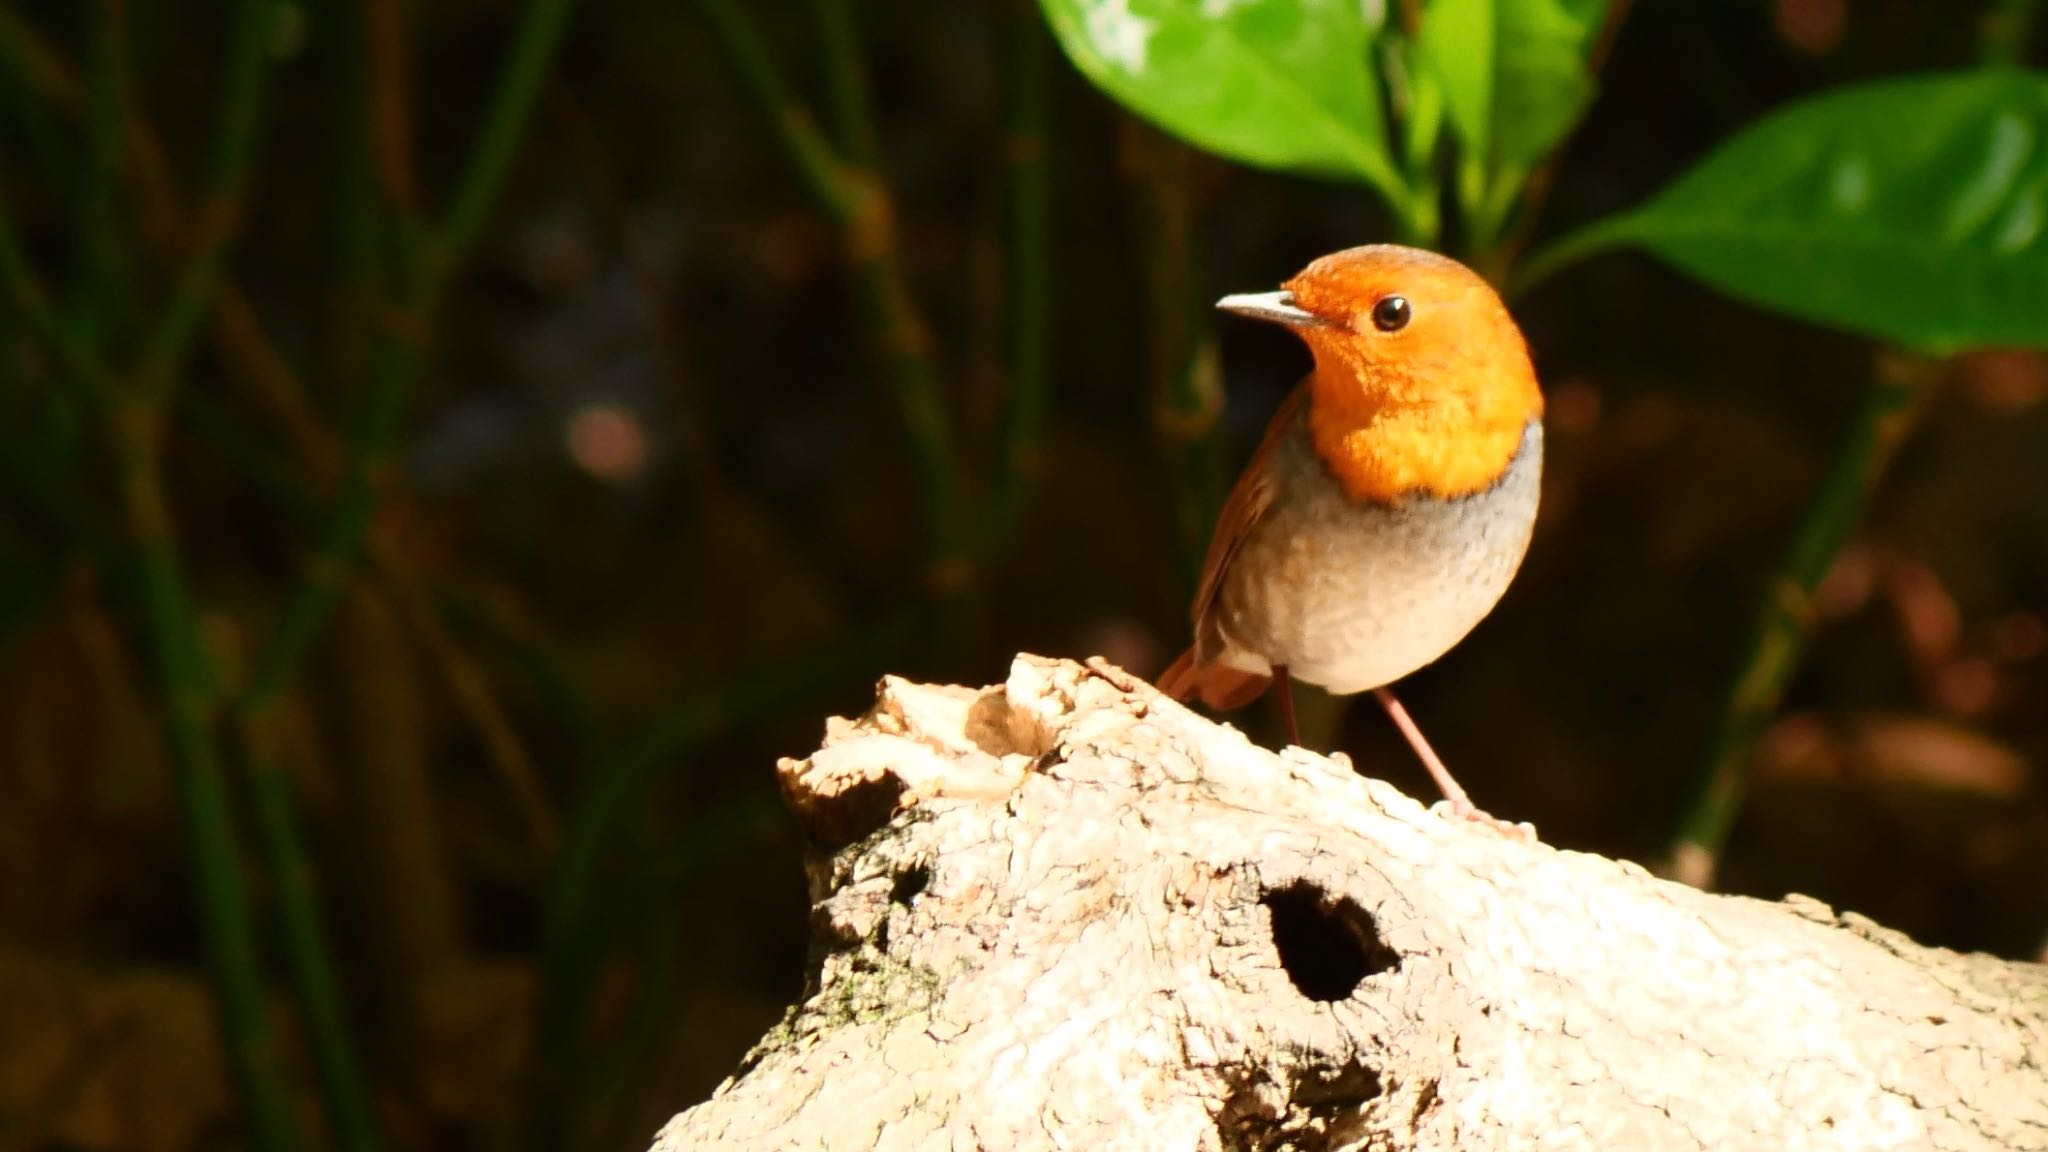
{"points": [[1070, 913]]}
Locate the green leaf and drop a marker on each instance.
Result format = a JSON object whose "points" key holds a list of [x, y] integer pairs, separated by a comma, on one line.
{"points": [[1457, 44], [1913, 210], [1542, 86], [1515, 82], [1285, 84], [1589, 13]]}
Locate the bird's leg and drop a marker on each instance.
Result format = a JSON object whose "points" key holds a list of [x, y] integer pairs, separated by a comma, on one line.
{"points": [[1285, 688], [1461, 804]]}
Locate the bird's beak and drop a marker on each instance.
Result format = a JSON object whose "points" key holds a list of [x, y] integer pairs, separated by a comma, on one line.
{"points": [[1277, 307]]}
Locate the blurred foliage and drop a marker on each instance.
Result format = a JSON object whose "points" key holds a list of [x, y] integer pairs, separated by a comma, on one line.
{"points": [[450, 450]]}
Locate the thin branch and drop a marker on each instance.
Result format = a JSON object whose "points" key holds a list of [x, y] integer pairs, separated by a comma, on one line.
{"points": [[1536, 192], [475, 699], [1027, 263], [26, 54], [387, 86], [102, 292], [846, 82], [858, 202], [1598, 237], [1887, 412], [401, 328], [803, 145], [1186, 388], [220, 210], [25, 291], [136, 423], [476, 192], [189, 696], [217, 868], [573, 939], [308, 946]]}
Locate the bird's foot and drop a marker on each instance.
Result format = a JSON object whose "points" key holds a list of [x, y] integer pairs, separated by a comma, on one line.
{"points": [[1463, 809]]}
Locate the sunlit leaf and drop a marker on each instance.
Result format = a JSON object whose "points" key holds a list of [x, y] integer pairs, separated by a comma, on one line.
{"points": [[1542, 86], [1457, 44], [1915, 210], [1515, 81], [1285, 84]]}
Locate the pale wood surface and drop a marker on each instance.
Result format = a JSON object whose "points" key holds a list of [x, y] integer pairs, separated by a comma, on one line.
{"points": [[1052, 924]]}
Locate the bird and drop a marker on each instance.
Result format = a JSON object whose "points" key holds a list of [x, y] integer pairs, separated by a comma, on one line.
{"points": [[1390, 501]]}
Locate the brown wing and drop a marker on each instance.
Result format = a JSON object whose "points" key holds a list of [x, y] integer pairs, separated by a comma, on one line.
{"points": [[1247, 501]]}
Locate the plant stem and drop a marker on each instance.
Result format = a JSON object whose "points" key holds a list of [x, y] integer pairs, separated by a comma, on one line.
{"points": [[1593, 239], [220, 208], [202, 787], [102, 293], [846, 82], [803, 145], [1883, 418], [1027, 264], [575, 936], [1536, 192], [308, 947], [533, 51], [859, 205], [401, 332], [137, 420], [24, 290], [27, 55], [396, 361], [1186, 388]]}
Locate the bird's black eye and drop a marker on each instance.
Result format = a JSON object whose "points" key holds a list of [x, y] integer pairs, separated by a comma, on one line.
{"points": [[1391, 314]]}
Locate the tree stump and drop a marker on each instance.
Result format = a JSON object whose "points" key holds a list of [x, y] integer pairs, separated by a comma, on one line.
{"points": [[1066, 912]]}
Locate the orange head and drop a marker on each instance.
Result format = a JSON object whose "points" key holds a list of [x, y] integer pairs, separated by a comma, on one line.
{"points": [[1422, 383]]}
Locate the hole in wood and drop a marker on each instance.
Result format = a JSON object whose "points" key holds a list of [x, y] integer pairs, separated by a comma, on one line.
{"points": [[910, 883], [1327, 944]]}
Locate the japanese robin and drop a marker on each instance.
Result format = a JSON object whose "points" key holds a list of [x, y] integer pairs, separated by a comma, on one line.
{"points": [[1391, 499]]}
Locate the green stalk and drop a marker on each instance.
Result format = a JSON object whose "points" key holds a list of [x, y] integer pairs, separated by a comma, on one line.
{"points": [[396, 363], [1587, 242], [1419, 107], [1186, 389], [859, 205], [308, 949], [1498, 260], [846, 82], [371, 448], [137, 422], [534, 44], [1778, 638], [26, 55], [202, 787], [24, 290], [1027, 263], [803, 145], [102, 295], [398, 358], [220, 208], [576, 935]]}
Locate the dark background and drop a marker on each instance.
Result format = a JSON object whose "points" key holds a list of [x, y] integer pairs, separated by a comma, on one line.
{"points": [[652, 524]]}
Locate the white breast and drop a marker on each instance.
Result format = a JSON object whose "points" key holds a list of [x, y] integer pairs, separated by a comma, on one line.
{"points": [[1351, 597]]}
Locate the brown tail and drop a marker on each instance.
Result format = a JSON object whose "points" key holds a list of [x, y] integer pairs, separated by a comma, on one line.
{"points": [[1219, 687]]}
